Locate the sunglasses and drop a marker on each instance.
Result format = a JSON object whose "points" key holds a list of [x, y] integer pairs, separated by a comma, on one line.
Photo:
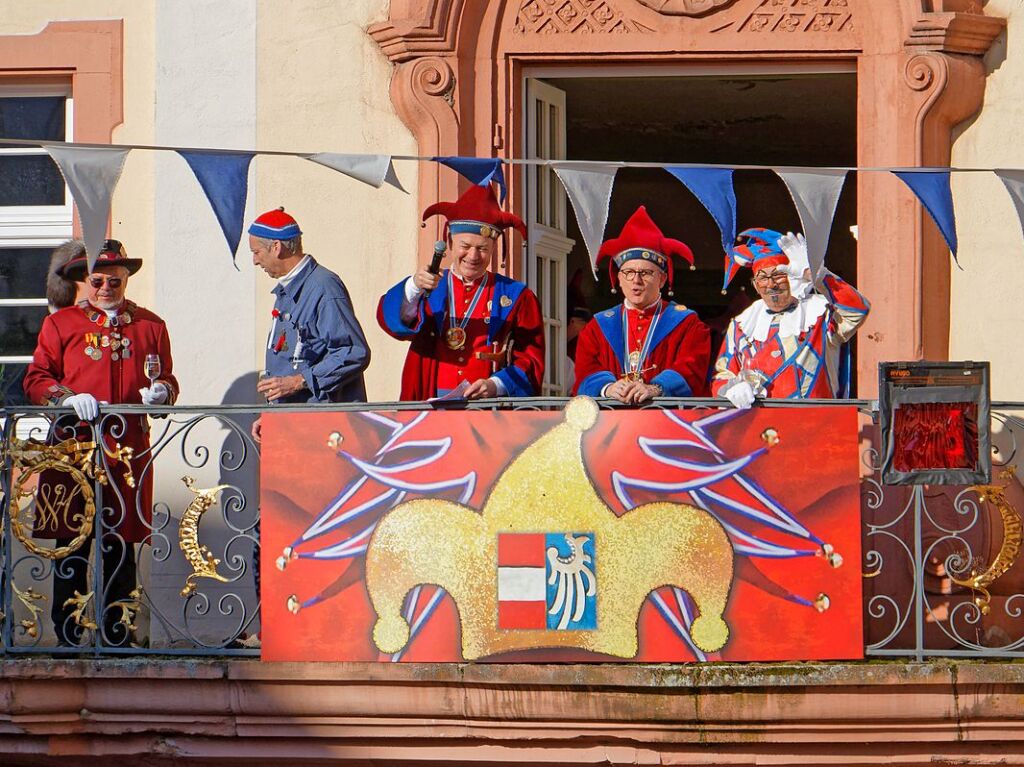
{"points": [[98, 281]]}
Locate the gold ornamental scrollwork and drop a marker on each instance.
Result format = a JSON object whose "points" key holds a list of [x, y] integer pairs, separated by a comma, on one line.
{"points": [[29, 597], [204, 564], [71, 457], [980, 581], [80, 603], [53, 502]]}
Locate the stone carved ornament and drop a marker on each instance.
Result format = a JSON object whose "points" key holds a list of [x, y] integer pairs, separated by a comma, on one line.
{"points": [[685, 7]]}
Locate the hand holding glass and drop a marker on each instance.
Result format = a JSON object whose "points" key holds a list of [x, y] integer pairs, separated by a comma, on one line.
{"points": [[152, 368]]}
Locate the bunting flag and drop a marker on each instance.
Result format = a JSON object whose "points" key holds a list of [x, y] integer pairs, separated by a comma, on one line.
{"points": [[713, 187], [373, 169], [590, 190], [224, 178], [91, 175], [1013, 180], [933, 190], [480, 170], [815, 194]]}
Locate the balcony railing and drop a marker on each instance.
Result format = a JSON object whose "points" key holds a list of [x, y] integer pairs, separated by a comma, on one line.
{"points": [[939, 563]]}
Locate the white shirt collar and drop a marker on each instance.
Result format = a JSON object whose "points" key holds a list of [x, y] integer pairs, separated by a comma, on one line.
{"points": [[283, 282], [630, 305]]}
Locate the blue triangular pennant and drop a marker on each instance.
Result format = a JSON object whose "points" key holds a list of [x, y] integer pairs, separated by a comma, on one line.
{"points": [[480, 170], [933, 190], [713, 187], [224, 178]]}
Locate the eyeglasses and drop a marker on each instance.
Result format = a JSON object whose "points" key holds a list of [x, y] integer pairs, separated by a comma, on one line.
{"points": [[97, 281], [643, 274], [775, 278]]}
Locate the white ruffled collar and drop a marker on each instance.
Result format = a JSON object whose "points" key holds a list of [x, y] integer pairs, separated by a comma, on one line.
{"points": [[756, 321]]}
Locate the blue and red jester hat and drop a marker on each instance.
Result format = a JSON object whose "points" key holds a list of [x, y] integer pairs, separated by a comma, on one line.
{"points": [[641, 239], [757, 248], [477, 212]]}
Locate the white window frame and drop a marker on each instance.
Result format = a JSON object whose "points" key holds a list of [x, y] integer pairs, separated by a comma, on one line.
{"points": [[545, 208], [35, 226]]}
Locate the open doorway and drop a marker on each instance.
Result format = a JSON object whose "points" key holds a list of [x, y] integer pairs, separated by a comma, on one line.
{"points": [[791, 118]]}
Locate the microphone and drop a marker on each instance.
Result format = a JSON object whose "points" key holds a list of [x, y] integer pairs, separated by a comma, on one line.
{"points": [[435, 261]]}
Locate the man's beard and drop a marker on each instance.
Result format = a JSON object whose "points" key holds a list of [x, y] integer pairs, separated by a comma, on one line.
{"points": [[778, 298]]}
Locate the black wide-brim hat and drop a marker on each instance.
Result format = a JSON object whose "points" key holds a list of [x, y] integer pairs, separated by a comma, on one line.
{"points": [[111, 254]]}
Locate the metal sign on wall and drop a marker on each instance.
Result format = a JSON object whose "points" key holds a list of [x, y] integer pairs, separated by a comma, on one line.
{"points": [[580, 535], [935, 423]]}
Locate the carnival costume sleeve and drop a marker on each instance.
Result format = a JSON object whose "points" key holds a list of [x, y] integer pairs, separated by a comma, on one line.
{"points": [[683, 358], [849, 307], [727, 367], [592, 373], [44, 378], [523, 378]]}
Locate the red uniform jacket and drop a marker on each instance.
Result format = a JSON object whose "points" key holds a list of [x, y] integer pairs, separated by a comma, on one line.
{"points": [[677, 356], [61, 366], [507, 311]]}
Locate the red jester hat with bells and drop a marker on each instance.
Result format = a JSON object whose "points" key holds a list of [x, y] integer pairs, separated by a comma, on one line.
{"points": [[642, 239], [477, 212]]}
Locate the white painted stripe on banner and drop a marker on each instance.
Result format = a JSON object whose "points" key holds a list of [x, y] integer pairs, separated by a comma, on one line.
{"points": [[521, 584]]}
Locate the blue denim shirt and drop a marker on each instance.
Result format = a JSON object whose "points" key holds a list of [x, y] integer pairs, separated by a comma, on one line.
{"points": [[316, 333]]}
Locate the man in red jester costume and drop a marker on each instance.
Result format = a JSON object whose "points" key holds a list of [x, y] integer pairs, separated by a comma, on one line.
{"points": [[786, 345], [473, 332], [647, 346]]}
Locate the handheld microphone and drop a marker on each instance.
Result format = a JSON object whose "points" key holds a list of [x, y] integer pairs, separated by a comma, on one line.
{"points": [[435, 261]]}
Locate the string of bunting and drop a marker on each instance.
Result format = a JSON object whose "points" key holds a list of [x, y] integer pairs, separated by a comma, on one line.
{"points": [[93, 170]]}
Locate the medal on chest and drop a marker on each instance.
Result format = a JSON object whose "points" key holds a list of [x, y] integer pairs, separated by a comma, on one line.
{"points": [[455, 336]]}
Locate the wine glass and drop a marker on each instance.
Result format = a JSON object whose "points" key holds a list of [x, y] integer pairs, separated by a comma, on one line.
{"points": [[151, 368]]}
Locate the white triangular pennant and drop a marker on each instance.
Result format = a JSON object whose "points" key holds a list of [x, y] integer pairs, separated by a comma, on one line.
{"points": [[92, 174], [372, 169], [815, 193], [590, 190], [1013, 180]]}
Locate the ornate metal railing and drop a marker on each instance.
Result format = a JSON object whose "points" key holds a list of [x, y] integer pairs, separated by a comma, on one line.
{"points": [[941, 576]]}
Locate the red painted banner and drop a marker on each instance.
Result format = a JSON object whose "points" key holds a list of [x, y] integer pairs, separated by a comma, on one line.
{"points": [[580, 535]]}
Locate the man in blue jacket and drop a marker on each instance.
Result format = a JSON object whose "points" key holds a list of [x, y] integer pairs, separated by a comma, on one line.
{"points": [[316, 350]]}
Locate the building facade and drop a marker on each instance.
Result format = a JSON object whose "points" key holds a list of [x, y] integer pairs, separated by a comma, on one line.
{"points": [[805, 83]]}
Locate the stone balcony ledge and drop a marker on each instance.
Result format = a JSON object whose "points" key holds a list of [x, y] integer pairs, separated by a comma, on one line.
{"points": [[148, 711]]}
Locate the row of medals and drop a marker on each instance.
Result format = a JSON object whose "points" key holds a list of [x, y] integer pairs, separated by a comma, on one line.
{"points": [[95, 343]]}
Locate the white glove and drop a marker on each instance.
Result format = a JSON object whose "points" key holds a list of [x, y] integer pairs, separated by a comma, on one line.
{"points": [[85, 405], [155, 395], [740, 394], [795, 248]]}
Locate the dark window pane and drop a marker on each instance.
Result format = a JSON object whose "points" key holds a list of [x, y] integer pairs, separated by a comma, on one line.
{"points": [[30, 180], [32, 117], [19, 326], [11, 376], [23, 272]]}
